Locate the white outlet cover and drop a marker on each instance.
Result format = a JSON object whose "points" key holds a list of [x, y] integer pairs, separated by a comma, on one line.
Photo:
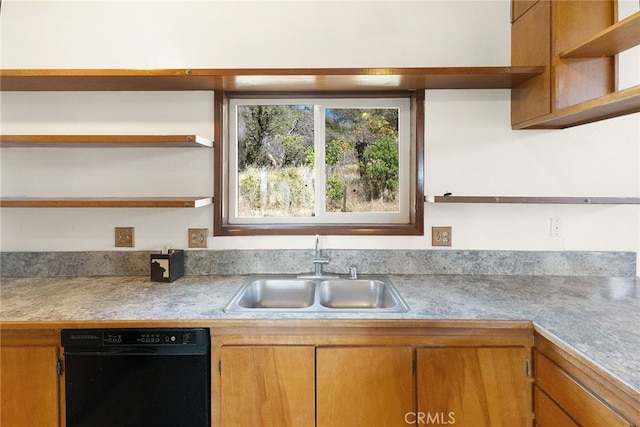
{"points": [[556, 227]]}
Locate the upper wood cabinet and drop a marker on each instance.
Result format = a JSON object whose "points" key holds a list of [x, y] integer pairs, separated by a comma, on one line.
{"points": [[518, 7], [531, 43], [576, 87], [612, 40]]}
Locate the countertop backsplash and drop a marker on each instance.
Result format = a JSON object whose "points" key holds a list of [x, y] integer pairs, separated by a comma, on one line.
{"points": [[295, 261]]}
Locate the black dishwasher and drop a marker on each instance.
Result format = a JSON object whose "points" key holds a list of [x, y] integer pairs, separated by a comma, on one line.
{"points": [[137, 377]]}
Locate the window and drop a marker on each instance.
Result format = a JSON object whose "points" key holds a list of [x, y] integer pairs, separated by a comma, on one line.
{"points": [[313, 164]]}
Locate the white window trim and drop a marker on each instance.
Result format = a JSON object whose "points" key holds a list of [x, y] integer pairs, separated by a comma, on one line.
{"points": [[322, 217]]}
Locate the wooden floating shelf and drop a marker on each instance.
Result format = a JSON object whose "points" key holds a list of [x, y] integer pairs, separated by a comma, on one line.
{"points": [[104, 141], [536, 200], [267, 79], [107, 202], [615, 104], [609, 42]]}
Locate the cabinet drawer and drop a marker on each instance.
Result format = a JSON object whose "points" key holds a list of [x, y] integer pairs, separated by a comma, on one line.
{"points": [[578, 402], [548, 413]]}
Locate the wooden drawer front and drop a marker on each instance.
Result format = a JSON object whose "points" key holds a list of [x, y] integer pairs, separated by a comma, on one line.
{"points": [[548, 414], [585, 408]]}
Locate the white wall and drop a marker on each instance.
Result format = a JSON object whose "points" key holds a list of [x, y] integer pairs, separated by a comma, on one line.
{"points": [[470, 148]]}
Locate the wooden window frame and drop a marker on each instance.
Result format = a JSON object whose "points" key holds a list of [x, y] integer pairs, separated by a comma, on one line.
{"points": [[222, 227]]}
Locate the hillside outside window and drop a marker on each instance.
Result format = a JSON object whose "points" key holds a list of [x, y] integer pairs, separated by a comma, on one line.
{"points": [[299, 165]]}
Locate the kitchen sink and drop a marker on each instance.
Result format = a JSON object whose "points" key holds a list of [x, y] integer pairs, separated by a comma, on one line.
{"points": [[318, 294], [356, 293], [277, 293]]}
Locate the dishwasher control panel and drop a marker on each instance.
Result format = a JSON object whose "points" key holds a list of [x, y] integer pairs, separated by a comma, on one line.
{"points": [[171, 337], [133, 337]]}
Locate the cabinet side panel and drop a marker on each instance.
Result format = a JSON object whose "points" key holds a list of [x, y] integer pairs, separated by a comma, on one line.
{"points": [[474, 387], [580, 79], [29, 386], [531, 45], [268, 386], [518, 7]]}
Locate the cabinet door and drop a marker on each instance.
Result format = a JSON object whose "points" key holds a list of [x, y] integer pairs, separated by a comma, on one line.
{"points": [[267, 386], [531, 45], [474, 387], [29, 384], [364, 386]]}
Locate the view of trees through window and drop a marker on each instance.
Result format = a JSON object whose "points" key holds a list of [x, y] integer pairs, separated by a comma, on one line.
{"points": [[277, 160]]}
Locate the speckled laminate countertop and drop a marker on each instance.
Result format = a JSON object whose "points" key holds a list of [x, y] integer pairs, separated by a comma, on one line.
{"points": [[597, 318]]}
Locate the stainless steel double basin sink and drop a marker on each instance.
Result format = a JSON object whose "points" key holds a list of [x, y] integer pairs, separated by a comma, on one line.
{"points": [[317, 294]]}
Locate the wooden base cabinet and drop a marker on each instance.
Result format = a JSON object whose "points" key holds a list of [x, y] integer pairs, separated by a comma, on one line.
{"points": [[267, 386], [559, 397], [548, 413], [336, 386], [364, 386], [29, 383], [292, 385], [473, 386]]}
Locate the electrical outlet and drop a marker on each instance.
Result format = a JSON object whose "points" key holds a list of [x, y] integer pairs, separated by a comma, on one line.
{"points": [[440, 236], [198, 237], [125, 237], [556, 227]]}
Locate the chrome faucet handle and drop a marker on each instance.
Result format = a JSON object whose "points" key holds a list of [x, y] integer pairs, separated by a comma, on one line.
{"points": [[353, 272]]}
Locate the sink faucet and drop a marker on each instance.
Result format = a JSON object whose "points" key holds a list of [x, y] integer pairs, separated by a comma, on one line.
{"points": [[319, 260]]}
